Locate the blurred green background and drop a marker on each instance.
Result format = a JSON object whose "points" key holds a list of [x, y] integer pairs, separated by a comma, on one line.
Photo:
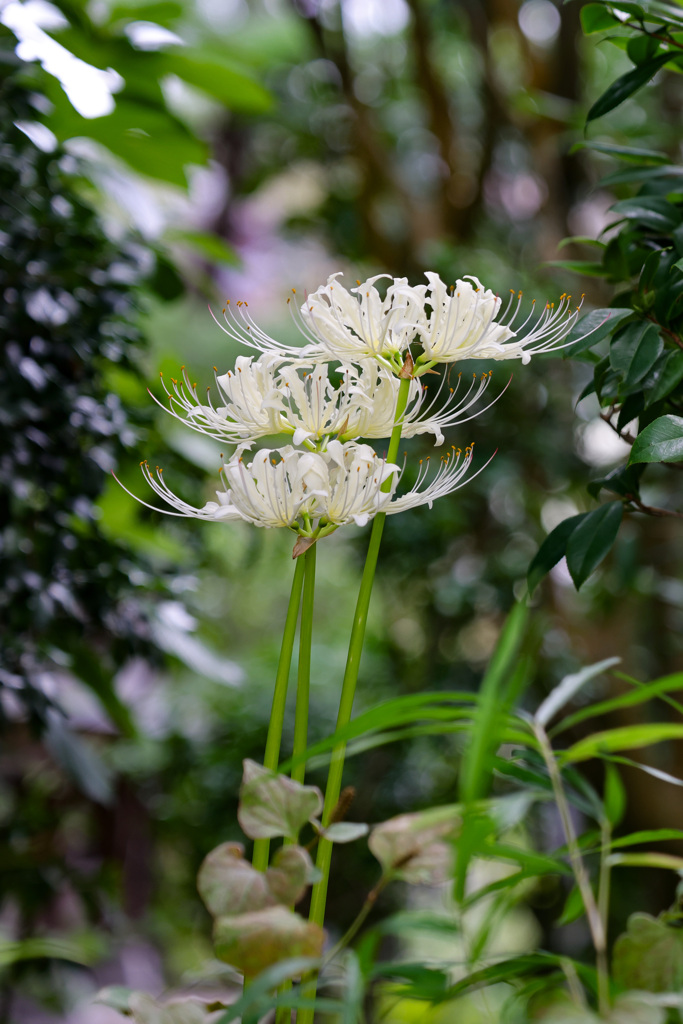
{"points": [[239, 149]]}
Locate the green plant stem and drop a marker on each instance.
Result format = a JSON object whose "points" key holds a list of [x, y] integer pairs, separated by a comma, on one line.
{"points": [[593, 916], [283, 1014], [304, 672], [334, 778], [277, 713]]}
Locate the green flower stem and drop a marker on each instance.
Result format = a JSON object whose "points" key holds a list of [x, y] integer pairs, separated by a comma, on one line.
{"points": [[277, 714], [334, 778], [304, 674]]}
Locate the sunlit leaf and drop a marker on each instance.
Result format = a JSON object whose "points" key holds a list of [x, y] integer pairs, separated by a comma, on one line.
{"points": [[628, 737]]}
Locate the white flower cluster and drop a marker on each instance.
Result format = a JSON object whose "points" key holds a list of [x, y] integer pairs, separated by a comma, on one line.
{"points": [[357, 377]]}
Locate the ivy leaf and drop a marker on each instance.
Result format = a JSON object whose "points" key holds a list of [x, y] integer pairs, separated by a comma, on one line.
{"points": [[649, 955], [627, 85], [591, 540], [660, 441], [552, 550], [289, 875], [228, 884], [275, 805], [251, 942], [411, 847]]}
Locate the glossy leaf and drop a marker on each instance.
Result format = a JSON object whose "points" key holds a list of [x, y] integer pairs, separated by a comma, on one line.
{"points": [[628, 153], [660, 441], [592, 328], [652, 211], [552, 550], [669, 377], [626, 85], [590, 542]]}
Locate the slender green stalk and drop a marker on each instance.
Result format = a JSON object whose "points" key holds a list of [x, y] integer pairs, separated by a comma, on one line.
{"points": [[277, 714], [304, 674], [283, 1014], [593, 916], [334, 778]]}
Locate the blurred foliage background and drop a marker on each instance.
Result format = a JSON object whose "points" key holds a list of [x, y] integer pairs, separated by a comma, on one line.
{"points": [[239, 149]]}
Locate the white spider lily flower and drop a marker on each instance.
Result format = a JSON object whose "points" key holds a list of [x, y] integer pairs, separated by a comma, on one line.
{"points": [[248, 405], [360, 324], [461, 324], [313, 493], [449, 477], [307, 492]]}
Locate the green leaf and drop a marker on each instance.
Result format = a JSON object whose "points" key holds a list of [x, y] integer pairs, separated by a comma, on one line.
{"points": [[592, 328], [641, 48], [660, 441], [643, 173], [220, 78], [654, 835], [552, 550], [615, 795], [573, 908], [477, 766], [259, 991], [652, 859], [668, 379], [596, 18], [651, 211], [629, 153], [590, 541], [628, 737], [627, 84], [630, 698], [649, 955], [253, 941], [274, 805], [625, 480], [206, 244], [635, 350]]}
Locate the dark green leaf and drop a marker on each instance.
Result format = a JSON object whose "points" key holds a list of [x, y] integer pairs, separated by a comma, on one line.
{"points": [[591, 540], [625, 480], [651, 211], [661, 441], [552, 550], [627, 85], [645, 173], [635, 350], [641, 48], [593, 327], [668, 379]]}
